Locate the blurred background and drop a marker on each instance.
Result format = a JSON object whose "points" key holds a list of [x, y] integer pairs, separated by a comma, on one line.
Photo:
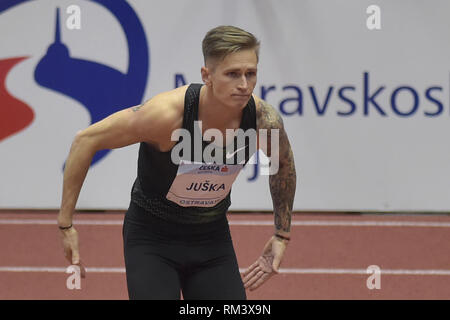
{"points": [[363, 92], [363, 88]]}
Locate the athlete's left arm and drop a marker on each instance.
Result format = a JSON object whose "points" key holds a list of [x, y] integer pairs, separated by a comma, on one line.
{"points": [[282, 181], [282, 184]]}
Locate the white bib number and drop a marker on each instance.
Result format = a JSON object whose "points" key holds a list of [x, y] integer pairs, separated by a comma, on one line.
{"points": [[202, 185]]}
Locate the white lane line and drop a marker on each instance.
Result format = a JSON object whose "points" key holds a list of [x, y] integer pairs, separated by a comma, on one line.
{"points": [[59, 269], [328, 223], [364, 271], [53, 222], [282, 270], [312, 223]]}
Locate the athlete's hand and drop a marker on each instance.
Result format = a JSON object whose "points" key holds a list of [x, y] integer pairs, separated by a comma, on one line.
{"points": [[69, 239], [267, 265]]}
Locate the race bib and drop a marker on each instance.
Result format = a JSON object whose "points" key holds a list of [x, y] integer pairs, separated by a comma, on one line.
{"points": [[202, 185]]}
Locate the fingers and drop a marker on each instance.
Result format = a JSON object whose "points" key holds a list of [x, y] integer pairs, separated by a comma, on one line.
{"points": [[258, 272], [75, 261], [251, 268], [75, 256], [260, 281], [256, 279], [248, 279], [71, 250], [71, 253], [68, 254], [82, 270], [266, 266], [252, 273]]}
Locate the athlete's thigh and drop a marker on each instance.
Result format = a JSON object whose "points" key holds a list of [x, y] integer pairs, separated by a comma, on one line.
{"points": [[219, 279], [149, 274]]}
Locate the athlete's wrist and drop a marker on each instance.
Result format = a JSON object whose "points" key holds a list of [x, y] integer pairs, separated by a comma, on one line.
{"points": [[64, 224], [65, 227], [282, 237], [282, 232]]}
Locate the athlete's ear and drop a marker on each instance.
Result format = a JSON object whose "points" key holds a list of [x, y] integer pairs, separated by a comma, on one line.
{"points": [[206, 76]]}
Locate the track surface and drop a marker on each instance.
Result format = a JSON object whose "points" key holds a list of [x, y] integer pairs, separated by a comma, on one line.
{"points": [[326, 259]]}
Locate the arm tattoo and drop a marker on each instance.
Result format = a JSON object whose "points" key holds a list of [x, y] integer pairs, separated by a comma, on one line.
{"points": [[283, 183]]}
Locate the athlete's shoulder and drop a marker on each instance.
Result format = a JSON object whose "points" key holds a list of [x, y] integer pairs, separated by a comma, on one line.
{"points": [[166, 107], [267, 117], [172, 99]]}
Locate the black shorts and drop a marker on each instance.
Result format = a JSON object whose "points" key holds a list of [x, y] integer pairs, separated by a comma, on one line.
{"points": [[163, 259]]}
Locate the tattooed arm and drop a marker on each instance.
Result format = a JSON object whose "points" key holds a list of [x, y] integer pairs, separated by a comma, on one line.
{"points": [[282, 182]]}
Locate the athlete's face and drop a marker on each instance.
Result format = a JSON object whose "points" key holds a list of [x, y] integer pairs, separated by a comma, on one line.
{"points": [[233, 79]]}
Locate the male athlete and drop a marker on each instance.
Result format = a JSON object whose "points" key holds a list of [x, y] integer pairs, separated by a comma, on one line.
{"points": [[176, 234]]}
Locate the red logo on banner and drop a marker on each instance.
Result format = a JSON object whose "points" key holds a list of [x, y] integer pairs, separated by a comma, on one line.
{"points": [[14, 114]]}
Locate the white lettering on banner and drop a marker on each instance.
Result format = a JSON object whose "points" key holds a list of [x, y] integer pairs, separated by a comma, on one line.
{"points": [[202, 185], [373, 22], [74, 20]]}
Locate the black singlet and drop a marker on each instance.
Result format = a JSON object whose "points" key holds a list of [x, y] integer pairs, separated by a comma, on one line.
{"points": [[169, 190]]}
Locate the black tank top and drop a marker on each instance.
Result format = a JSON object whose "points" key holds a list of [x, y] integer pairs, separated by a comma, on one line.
{"points": [[190, 192]]}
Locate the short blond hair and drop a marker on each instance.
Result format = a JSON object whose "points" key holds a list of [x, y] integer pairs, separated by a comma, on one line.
{"points": [[223, 40]]}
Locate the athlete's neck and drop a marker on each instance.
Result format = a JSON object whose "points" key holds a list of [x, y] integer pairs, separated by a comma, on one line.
{"points": [[215, 114]]}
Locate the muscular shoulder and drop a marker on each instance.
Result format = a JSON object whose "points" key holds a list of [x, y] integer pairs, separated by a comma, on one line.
{"points": [[166, 107], [266, 115], [161, 115]]}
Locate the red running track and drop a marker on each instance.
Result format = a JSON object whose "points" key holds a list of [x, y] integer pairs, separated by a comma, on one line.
{"points": [[326, 259]]}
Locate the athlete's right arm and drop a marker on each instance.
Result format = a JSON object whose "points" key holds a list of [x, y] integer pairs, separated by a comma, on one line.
{"points": [[150, 122]]}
